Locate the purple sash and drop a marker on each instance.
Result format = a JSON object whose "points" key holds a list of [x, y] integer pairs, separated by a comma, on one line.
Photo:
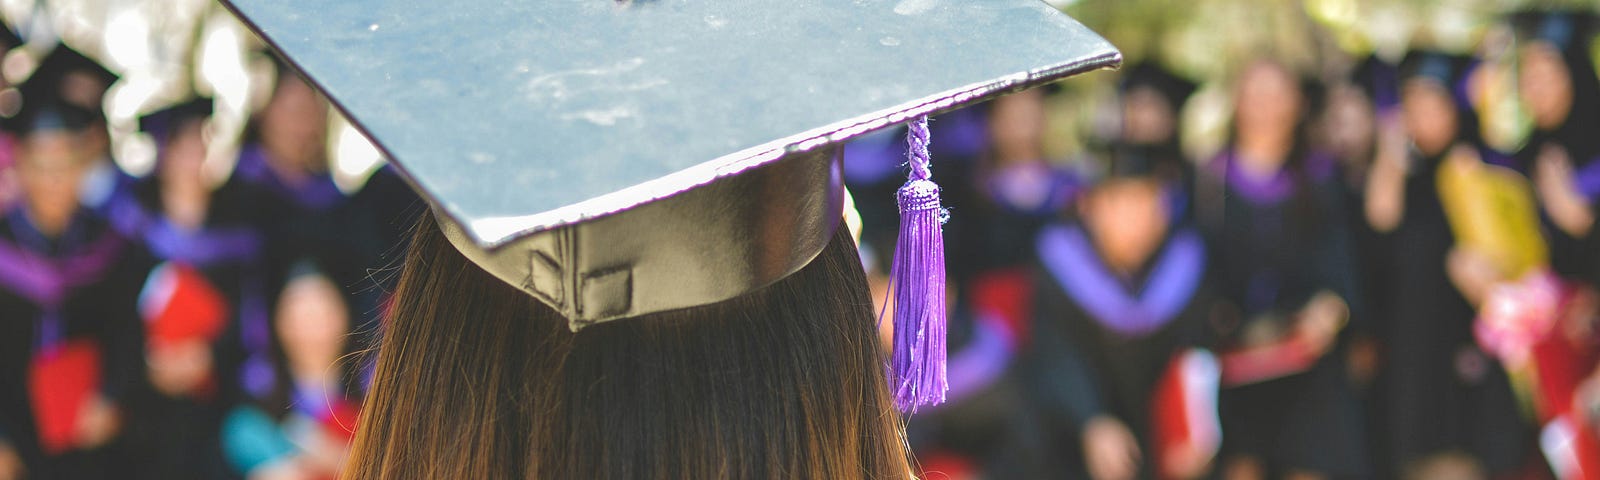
{"points": [[1588, 180], [983, 360], [1068, 256], [45, 281], [1269, 190], [202, 247], [320, 193], [1048, 195]]}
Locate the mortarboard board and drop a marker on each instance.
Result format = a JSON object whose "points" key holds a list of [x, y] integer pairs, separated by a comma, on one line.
{"points": [[615, 159], [1174, 89], [1563, 29], [60, 64], [1449, 70], [44, 108], [162, 123]]}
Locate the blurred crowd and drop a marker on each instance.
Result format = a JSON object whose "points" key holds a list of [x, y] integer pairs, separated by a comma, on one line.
{"points": [[1362, 276], [182, 324]]}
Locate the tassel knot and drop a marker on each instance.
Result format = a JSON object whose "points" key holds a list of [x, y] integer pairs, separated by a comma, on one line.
{"points": [[917, 283]]}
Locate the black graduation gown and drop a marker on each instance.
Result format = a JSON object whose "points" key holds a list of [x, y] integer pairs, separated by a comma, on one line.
{"points": [[98, 308], [177, 438], [1100, 343], [985, 419], [1274, 245], [357, 240], [1441, 392]]}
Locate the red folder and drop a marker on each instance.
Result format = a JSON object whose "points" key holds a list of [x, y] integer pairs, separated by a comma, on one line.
{"points": [[1187, 430], [178, 303], [62, 380]]}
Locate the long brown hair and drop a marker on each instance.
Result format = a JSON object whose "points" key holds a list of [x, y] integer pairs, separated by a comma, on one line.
{"points": [[478, 380]]}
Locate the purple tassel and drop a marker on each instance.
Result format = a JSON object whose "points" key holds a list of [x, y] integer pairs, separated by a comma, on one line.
{"points": [[917, 284]]}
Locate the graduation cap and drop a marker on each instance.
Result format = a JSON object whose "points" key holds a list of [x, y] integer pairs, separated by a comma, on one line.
{"points": [[68, 69], [1176, 90], [161, 124], [45, 108], [615, 159], [1563, 29], [1449, 70]]}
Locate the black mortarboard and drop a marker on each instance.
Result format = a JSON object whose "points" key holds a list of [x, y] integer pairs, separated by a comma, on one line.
{"points": [[550, 135], [63, 61], [162, 123], [1150, 75], [44, 108], [1563, 29], [1449, 70], [616, 159]]}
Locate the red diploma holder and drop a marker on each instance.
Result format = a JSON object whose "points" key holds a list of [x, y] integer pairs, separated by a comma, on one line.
{"points": [[63, 378], [1187, 431]]}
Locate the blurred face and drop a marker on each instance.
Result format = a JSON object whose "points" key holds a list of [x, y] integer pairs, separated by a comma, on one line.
{"points": [[1349, 125], [1545, 85], [1016, 122], [50, 165], [1128, 219], [184, 157], [312, 323], [1147, 118], [294, 125], [1268, 103], [1430, 115]]}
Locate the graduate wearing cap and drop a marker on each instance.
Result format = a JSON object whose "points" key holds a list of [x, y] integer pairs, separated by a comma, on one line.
{"points": [[201, 306], [70, 284], [1446, 403], [1274, 223], [633, 267], [1122, 296], [82, 82], [1558, 86]]}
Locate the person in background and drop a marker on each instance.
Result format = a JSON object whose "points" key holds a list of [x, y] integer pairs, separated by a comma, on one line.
{"points": [[1121, 292], [1152, 101], [303, 430], [202, 306], [1360, 108], [1449, 409], [1021, 189], [71, 343], [107, 190], [355, 237], [1558, 86], [1281, 258]]}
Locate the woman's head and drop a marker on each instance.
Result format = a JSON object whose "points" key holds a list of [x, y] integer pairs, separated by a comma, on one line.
{"points": [[1556, 76], [313, 322], [1429, 112], [1545, 84], [183, 155], [1269, 101], [476, 379], [1017, 123], [294, 124]]}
